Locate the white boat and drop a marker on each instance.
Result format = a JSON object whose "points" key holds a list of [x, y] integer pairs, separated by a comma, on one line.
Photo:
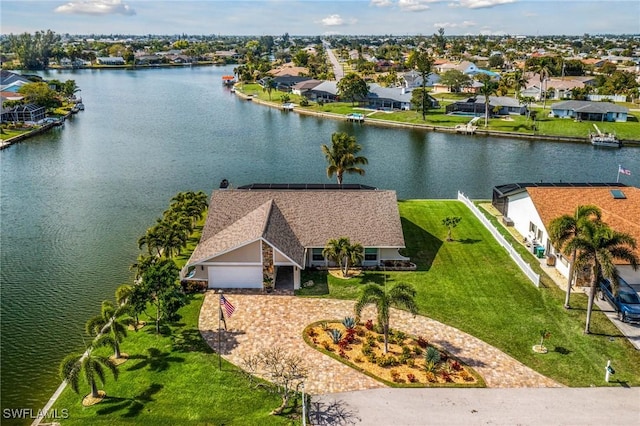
{"points": [[604, 139]]}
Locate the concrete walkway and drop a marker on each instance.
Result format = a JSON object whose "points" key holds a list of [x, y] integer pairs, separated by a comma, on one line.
{"points": [[265, 321]]}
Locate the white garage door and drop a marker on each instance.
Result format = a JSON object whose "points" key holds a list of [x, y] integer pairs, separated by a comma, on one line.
{"points": [[235, 276]]}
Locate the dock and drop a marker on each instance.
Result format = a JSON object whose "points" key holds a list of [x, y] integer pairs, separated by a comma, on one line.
{"points": [[355, 117]]}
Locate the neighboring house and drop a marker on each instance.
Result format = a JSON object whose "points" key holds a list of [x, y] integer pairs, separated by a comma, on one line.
{"points": [[413, 79], [265, 229], [227, 54], [506, 106], [589, 110], [285, 83], [303, 87], [289, 69], [327, 91], [390, 98], [473, 87], [531, 207], [148, 59], [555, 87], [30, 113], [11, 82]]}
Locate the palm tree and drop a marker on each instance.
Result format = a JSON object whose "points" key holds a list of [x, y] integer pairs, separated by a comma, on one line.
{"points": [[518, 81], [269, 85], [566, 227], [543, 72], [336, 250], [488, 88], [108, 321], [342, 156], [423, 63], [353, 256], [92, 365], [401, 295], [597, 245]]}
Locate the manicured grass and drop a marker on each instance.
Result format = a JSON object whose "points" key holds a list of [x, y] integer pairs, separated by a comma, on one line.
{"points": [[173, 379], [10, 133], [472, 284]]}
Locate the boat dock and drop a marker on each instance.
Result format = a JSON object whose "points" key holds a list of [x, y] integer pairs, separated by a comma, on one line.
{"points": [[469, 128], [355, 117]]}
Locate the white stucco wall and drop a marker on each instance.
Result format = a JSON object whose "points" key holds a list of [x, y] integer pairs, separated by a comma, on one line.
{"points": [[390, 254]]}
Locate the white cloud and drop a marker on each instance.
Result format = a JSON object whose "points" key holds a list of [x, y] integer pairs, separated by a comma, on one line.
{"points": [[96, 7], [463, 24], [381, 3], [332, 21], [415, 5], [479, 4]]}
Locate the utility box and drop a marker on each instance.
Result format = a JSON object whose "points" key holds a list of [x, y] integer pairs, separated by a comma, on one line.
{"points": [[551, 260]]}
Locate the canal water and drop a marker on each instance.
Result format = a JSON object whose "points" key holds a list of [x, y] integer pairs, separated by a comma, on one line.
{"points": [[75, 200]]}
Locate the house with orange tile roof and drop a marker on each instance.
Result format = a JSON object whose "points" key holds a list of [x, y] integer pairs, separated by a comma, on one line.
{"points": [[532, 206], [263, 230]]}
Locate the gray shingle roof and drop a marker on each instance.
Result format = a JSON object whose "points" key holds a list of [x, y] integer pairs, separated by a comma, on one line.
{"points": [[589, 107], [292, 220]]}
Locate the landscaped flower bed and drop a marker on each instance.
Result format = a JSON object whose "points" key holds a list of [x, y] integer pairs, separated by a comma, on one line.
{"points": [[410, 361]]}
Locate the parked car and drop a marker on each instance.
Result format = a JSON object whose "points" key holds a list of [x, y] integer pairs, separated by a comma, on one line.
{"points": [[626, 302]]}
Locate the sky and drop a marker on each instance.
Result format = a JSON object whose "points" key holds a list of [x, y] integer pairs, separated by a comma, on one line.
{"points": [[320, 17]]}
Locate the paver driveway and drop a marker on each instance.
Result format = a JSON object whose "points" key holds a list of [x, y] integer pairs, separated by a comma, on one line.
{"points": [[264, 321]]}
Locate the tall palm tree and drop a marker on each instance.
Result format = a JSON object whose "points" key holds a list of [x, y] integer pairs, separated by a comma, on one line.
{"points": [[93, 366], [518, 81], [423, 63], [341, 157], [401, 295], [488, 88], [543, 72], [566, 227], [269, 85], [108, 321], [597, 246]]}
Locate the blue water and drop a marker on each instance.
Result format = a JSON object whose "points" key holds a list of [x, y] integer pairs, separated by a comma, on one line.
{"points": [[75, 200]]}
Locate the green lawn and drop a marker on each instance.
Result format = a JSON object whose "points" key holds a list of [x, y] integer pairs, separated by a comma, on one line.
{"points": [[472, 284], [546, 125], [173, 379]]}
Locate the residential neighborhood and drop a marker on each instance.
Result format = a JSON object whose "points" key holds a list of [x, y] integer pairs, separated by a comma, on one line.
{"points": [[324, 230]]}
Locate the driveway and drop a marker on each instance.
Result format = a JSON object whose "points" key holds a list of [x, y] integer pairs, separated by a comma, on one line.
{"points": [[264, 321], [630, 331]]}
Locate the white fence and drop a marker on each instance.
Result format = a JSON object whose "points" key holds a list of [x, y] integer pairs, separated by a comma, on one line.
{"points": [[614, 98], [535, 278]]}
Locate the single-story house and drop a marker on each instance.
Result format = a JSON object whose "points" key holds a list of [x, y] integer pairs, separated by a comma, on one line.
{"points": [[507, 105], [303, 87], [390, 98], [11, 82], [473, 87], [110, 60], [260, 230], [532, 206], [590, 110], [413, 79], [327, 91], [284, 82]]}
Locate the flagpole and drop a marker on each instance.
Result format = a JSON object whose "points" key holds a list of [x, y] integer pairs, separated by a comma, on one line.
{"points": [[618, 177]]}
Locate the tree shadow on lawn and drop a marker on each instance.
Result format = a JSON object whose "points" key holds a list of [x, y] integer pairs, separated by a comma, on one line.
{"points": [[155, 361], [467, 241], [133, 405], [422, 246], [189, 340]]}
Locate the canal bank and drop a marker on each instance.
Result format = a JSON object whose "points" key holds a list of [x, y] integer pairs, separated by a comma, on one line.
{"points": [[429, 127]]}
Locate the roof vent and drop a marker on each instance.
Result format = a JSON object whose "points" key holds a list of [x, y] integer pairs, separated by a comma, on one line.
{"points": [[618, 194]]}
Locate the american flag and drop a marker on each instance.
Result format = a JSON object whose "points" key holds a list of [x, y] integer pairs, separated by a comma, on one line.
{"points": [[624, 171], [228, 307]]}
